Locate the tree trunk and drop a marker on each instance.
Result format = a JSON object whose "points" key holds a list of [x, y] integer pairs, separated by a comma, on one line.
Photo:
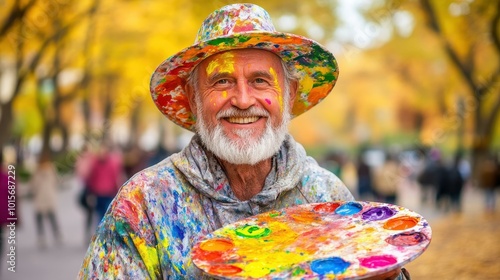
{"points": [[6, 120]]}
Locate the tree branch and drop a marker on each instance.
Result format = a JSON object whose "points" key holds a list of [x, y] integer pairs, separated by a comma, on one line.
{"points": [[14, 14], [493, 87], [58, 34], [495, 34], [464, 69]]}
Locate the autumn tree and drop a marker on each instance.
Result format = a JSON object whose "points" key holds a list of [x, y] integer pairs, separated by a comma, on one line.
{"points": [[469, 33], [448, 53], [35, 39]]}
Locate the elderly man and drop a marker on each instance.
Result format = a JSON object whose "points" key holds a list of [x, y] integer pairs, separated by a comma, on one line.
{"points": [[237, 88]]}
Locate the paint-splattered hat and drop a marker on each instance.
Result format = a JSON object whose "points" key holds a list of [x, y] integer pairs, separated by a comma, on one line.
{"points": [[241, 26]]}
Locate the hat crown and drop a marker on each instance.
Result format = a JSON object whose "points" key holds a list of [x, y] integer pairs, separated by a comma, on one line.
{"points": [[234, 19]]}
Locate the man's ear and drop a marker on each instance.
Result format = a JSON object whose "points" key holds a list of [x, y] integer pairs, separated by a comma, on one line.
{"points": [[190, 94]]}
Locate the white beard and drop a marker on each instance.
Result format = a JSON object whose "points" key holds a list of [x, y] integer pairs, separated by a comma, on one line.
{"points": [[243, 150]]}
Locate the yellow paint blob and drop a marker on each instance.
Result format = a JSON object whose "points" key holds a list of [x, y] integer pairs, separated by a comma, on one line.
{"points": [[306, 85], [224, 94], [224, 64], [277, 87], [148, 254], [280, 260]]}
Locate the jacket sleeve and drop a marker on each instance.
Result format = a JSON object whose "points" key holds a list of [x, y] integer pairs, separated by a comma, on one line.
{"points": [[123, 246]]}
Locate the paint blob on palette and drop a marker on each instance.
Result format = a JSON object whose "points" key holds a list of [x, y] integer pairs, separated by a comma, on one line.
{"points": [[333, 240]]}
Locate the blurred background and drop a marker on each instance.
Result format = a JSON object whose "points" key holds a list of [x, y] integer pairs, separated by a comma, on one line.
{"points": [[413, 119]]}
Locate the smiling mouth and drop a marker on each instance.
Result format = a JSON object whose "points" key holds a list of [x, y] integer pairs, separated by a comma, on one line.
{"points": [[240, 120]]}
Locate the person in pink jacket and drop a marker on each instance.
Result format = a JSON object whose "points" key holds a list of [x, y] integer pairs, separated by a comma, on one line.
{"points": [[104, 177]]}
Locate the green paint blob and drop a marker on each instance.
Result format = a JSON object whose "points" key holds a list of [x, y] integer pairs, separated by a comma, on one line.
{"points": [[221, 41], [298, 271], [275, 214], [252, 231]]}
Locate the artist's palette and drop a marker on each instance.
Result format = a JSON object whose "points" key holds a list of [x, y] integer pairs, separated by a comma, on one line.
{"points": [[336, 240]]}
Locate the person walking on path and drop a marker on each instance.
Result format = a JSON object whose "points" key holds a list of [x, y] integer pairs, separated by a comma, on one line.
{"points": [[44, 187], [487, 181], [85, 198], [6, 195], [386, 179], [104, 178]]}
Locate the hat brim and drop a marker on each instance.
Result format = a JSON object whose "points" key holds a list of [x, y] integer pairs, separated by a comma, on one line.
{"points": [[315, 67]]}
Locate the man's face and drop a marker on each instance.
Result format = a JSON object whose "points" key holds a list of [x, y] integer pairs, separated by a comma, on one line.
{"points": [[241, 102]]}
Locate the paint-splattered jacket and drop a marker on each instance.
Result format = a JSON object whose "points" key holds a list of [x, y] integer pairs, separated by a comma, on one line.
{"points": [[162, 211]]}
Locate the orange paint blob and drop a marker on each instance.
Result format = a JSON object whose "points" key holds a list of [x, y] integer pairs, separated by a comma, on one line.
{"points": [[400, 223], [224, 270], [305, 217], [217, 245]]}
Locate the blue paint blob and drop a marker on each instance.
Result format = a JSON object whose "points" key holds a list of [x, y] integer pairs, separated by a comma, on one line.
{"points": [[378, 213], [177, 232], [350, 208], [333, 265]]}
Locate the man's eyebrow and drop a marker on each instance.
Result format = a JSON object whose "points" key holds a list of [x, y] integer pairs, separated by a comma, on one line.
{"points": [[262, 74], [216, 76]]}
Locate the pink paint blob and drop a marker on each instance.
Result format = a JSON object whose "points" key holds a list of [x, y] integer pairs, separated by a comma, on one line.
{"points": [[378, 261], [268, 101]]}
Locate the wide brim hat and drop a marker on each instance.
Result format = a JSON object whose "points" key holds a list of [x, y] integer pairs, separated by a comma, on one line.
{"points": [[243, 26]]}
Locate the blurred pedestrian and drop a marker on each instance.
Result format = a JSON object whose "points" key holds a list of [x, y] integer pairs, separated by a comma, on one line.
{"points": [[487, 181], [105, 177], [455, 182], [385, 180], [333, 162], [5, 196], [364, 173], [134, 160], [431, 176], [86, 199], [44, 187], [442, 184]]}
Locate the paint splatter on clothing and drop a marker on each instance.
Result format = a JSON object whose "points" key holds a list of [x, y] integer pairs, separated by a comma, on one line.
{"points": [[162, 211]]}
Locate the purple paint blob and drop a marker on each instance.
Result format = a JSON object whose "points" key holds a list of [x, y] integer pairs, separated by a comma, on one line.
{"points": [[350, 208], [378, 213], [333, 265], [268, 101], [406, 239], [378, 261]]}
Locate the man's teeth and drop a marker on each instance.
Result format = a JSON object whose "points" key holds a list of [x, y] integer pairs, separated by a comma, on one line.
{"points": [[243, 120]]}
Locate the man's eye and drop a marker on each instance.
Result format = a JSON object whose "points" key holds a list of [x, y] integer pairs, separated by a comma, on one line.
{"points": [[222, 82], [260, 81]]}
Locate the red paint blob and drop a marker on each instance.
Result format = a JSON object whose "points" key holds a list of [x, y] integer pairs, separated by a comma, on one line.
{"points": [[378, 261], [209, 256], [224, 269], [401, 223], [213, 250], [328, 207]]}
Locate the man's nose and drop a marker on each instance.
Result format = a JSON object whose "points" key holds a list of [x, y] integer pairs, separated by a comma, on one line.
{"points": [[242, 97]]}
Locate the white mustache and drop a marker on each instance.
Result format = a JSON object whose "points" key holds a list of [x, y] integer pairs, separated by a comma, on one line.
{"points": [[235, 112]]}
